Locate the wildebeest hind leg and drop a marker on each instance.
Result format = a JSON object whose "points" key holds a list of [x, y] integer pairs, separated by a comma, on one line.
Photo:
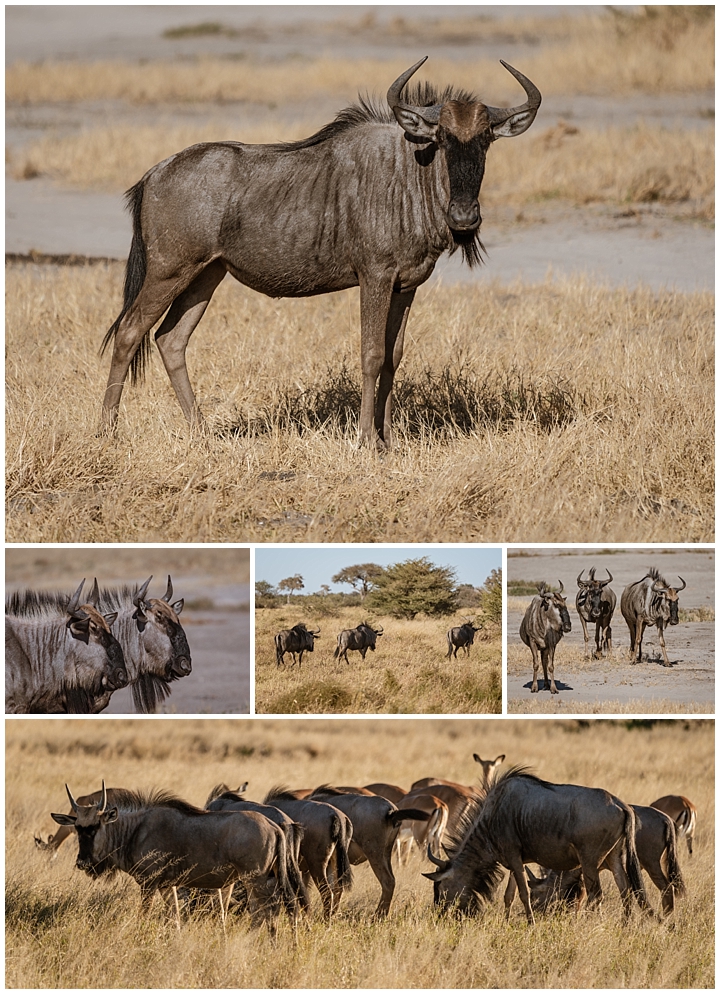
{"points": [[375, 304], [174, 333], [400, 304]]}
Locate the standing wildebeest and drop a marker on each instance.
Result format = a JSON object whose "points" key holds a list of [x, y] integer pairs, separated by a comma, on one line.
{"points": [[682, 811], [656, 846], [298, 639], [461, 637], [59, 660], [376, 823], [648, 602], [361, 639], [164, 842], [361, 203], [523, 819], [542, 627], [595, 602]]}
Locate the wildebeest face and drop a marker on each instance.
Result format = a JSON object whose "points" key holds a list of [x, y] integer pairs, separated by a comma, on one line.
{"points": [[104, 658], [167, 627], [89, 822], [555, 604], [670, 601]]}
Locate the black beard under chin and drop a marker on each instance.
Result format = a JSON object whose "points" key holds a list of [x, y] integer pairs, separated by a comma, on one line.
{"points": [[470, 245]]}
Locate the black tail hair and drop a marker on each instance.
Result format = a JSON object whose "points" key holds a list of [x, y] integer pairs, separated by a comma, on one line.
{"points": [[135, 272], [342, 860]]}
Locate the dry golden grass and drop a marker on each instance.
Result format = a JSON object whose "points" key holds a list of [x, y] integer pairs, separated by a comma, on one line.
{"points": [[407, 674], [616, 165], [574, 55], [64, 930], [558, 412]]}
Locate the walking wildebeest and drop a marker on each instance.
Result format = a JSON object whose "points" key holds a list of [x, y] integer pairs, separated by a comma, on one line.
{"points": [[656, 846], [595, 602], [376, 822], [163, 842], [647, 602], [523, 819], [683, 812], [360, 639], [362, 202], [298, 639], [59, 660], [542, 627], [461, 637]]}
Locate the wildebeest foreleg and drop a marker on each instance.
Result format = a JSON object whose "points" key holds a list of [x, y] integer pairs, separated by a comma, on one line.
{"points": [[174, 333], [586, 636], [509, 896], [375, 305], [661, 634], [400, 304], [548, 663], [517, 873], [536, 666]]}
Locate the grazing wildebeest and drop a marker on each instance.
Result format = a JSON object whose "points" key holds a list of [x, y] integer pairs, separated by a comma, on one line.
{"points": [[376, 822], [422, 833], [523, 819], [683, 812], [461, 637], [647, 602], [361, 203], [295, 640], [595, 603], [324, 849], [59, 660], [542, 627], [163, 843], [657, 852], [360, 639]]}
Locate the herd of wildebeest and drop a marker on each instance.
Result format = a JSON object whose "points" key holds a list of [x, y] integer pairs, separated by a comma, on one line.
{"points": [[645, 603], [261, 858], [68, 655]]}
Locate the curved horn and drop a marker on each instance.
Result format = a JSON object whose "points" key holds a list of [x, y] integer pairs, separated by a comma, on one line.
{"points": [[73, 802], [75, 599], [379, 630], [678, 589], [140, 595], [442, 864], [604, 583], [94, 595], [581, 583], [430, 114], [167, 596], [103, 799], [498, 115], [561, 586]]}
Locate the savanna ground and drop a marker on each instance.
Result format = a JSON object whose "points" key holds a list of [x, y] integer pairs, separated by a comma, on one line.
{"points": [[525, 412], [407, 674], [65, 930], [613, 684], [214, 585]]}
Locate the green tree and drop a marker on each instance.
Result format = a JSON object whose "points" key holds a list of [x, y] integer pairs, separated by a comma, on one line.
{"points": [[491, 596], [291, 584], [362, 577], [414, 586], [468, 596], [265, 594]]}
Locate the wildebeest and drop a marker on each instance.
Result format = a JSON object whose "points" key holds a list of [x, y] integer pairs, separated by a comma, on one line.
{"points": [[647, 602], [324, 849], [296, 641], [657, 852], [376, 822], [59, 660], [461, 637], [542, 627], [595, 603], [163, 843], [683, 812], [360, 639], [523, 819], [362, 202]]}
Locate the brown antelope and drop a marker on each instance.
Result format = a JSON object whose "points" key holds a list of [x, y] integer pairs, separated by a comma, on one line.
{"points": [[489, 769], [683, 812], [422, 833]]}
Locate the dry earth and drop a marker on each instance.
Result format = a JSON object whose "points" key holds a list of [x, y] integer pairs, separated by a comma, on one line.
{"points": [[608, 685], [214, 584]]}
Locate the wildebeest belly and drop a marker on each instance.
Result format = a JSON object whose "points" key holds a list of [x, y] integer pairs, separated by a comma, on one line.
{"points": [[276, 278]]}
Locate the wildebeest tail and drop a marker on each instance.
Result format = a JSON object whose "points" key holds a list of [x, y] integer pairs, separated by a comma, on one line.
{"points": [[342, 859], [295, 835], [673, 866], [337, 651], [135, 272], [278, 651], [450, 646], [282, 855], [632, 863], [407, 814]]}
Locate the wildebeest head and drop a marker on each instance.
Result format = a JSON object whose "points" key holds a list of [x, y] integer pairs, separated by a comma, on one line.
{"points": [[454, 887], [306, 636], [592, 590], [370, 634], [666, 597], [462, 131], [86, 624], [163, 636], [556, 607], [89, 822]]}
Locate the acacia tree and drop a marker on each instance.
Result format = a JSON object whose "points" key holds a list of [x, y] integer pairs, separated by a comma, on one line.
{"points": [[414, 586], [291, 584], [491, 596], [362, 577]]}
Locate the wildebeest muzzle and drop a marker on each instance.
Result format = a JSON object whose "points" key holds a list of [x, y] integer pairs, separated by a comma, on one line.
{"points": [[463, 215]]}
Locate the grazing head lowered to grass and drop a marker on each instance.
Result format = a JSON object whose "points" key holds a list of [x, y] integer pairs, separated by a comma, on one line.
{"points": [[362, 202]]}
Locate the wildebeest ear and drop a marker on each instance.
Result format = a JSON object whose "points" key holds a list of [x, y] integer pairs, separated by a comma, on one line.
{"points": [[414, 124], [434, 876], [80, 629], [178, 605], [108, 816], [111, 618], [64, 819], [514, 125]]}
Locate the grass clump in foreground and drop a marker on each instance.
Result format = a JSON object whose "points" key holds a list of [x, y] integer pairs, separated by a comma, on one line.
{"points": [[539, 444], [407, 673]]}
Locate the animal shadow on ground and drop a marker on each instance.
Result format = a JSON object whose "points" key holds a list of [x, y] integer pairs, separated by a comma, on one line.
{"points": [[542, 689]]}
